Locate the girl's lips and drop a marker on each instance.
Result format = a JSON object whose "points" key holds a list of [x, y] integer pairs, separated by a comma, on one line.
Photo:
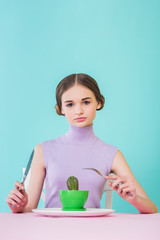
{"points": [[80, 119]]}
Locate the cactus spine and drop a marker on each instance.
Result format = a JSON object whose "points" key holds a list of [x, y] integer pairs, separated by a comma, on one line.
{"points": [[72, 183]]}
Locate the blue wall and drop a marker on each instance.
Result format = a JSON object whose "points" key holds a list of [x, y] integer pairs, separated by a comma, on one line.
{"points": [[117, 43]]}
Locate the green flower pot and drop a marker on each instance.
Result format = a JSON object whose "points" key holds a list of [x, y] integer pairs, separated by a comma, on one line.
{"points": [[73, 200]]}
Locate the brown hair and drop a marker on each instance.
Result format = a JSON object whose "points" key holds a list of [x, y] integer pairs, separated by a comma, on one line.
{"points": [[71, 80]]}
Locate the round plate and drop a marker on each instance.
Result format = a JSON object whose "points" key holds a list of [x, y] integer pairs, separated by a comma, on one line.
{"points": [[58, 212]]}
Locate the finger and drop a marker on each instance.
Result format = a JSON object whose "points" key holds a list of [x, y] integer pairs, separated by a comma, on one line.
{"points": [[109, 183], [17, 196], [115, 177], [18, 193], [116, 182], [119, 191], [121, 187], [21, 190], [121, 180], [16, 199], [128, 191], [123, 194], [19, 185], [111, 177], [12, 203]]}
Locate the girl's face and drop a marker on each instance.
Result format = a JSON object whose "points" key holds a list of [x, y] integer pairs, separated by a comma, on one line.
{"points": [[79, 102]]}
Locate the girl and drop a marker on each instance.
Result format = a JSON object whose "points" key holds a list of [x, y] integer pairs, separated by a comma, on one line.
{"points": [[78, 98]]}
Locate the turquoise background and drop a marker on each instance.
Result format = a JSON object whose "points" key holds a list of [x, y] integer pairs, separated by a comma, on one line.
{"points": [[117, 43]]}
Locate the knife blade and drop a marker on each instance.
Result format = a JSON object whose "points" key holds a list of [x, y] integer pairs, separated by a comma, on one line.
{"points": [[26, 171], [27, 168]]}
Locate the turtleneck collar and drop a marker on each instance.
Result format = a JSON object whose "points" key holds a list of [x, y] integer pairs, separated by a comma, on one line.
{"points": [[80, 134]]}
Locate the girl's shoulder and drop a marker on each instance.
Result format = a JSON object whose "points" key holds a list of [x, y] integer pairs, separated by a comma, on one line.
{"points": [[52, 142], [106, 145]]}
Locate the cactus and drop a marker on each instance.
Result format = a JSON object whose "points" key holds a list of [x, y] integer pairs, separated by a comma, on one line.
{"points": [[72, 183]]}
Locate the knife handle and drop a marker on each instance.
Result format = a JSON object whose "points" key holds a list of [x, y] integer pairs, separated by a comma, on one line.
{"points": [[20, 191]]}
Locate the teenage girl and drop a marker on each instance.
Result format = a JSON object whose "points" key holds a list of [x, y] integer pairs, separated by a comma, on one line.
{"points": [[78, 98]]}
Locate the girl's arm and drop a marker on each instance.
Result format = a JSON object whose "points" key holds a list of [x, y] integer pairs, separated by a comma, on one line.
{"points": [[128, 183], [36, 181], [20, 201]]}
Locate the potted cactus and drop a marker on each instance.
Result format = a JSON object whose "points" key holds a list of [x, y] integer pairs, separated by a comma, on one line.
{"points": [[73, 199], [72, 183]]}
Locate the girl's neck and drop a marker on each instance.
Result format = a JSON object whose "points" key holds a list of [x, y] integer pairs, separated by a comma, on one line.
{"points": [[80, 134]]}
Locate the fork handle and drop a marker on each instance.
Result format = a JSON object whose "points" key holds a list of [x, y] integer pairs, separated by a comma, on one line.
{"points": [[128, 193]]}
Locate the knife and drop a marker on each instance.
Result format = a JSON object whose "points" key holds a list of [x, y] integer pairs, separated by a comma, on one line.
{"points": [[27, 168], [26, 171]]}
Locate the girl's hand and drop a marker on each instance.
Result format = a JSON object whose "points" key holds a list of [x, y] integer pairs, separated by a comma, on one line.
{"points": [[17, 199], [123, 185]]}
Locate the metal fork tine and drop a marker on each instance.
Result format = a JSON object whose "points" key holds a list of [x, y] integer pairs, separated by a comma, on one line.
{"points": [[94, 170]]}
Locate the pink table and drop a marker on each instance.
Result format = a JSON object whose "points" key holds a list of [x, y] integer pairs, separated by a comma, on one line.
{"points": [[28, 226]]}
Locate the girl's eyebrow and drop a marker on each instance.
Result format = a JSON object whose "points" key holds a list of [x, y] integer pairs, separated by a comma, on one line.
{"points": [[81, 99]]}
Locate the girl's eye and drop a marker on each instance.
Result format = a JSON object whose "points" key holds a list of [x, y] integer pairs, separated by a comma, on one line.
{"points": [[86, 102], [69, 105]]}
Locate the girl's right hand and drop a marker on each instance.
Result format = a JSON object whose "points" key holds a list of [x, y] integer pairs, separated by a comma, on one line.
{"points": [[17, 199]]}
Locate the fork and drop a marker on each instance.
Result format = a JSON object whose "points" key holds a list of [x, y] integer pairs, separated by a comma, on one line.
{"points": [[111, 181]]}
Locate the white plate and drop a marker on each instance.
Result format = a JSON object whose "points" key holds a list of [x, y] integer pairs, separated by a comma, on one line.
{"points": [[59, 212]]}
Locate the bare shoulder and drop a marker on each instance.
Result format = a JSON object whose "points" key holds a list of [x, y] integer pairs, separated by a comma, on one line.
{"points": [[120, 167], [38, 147], [37, 177], [38, 156], [119, 162]]}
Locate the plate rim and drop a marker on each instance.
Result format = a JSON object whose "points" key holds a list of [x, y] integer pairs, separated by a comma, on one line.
{"points": [[60, 212]]}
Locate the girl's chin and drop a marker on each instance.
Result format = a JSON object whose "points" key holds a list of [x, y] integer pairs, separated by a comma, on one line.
{"points": [[81, 124]]}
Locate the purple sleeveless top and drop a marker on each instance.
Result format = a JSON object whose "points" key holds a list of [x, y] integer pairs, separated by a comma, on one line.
{"points": [[66, 155]]}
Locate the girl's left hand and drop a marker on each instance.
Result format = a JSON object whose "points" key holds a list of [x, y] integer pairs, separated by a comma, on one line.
{"points": [[122, 185]]}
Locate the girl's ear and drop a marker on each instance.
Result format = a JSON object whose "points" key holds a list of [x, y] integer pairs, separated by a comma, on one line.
{"points": [[62, 110], [99, 105]]}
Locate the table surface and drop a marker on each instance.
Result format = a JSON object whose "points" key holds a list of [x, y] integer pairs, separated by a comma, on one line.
{"points": [[28, 226]]}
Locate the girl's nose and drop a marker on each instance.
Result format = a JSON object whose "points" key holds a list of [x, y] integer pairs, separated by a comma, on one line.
{"points": [[78, 110]]}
